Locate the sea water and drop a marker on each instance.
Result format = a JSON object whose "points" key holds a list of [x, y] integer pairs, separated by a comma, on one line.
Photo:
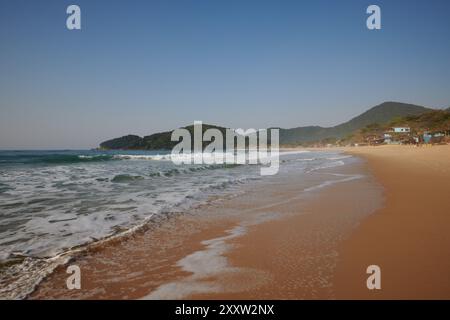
{"points": [[54, 201]]}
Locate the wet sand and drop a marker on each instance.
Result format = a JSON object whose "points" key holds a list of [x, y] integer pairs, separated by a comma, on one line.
{"points": [[298, 252], [136, 265]]}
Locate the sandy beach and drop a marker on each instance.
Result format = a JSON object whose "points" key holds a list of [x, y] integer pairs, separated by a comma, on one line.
{"points": [[408, 238], [275, 242]]}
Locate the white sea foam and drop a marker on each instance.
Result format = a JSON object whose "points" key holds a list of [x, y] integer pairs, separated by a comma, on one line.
{"points": [[331, 182], [156, 157], [208, 157], [327, 165], [339, 157], [205, 263]]}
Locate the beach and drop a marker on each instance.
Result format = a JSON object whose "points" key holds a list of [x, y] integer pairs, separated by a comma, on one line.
{"points": [[280, 240], [225, 150], [408, 238]]}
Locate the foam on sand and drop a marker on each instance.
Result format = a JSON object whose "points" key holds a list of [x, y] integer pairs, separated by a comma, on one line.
{"points": [[205, 264]]}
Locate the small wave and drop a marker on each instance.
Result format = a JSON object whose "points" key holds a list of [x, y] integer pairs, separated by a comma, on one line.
{"points": [[339, 157], [54, 158], [180, 158], [125, 178], [20, 279], [206, 157], [156, 157], [331, 182], [327, 165], [189, 170], [77, 158], [4, 187]]}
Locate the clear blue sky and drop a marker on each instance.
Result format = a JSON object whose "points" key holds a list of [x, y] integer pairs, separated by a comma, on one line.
{"points": [[145, 66]]}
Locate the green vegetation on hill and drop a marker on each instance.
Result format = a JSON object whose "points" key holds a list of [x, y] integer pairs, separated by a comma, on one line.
{"points": [[125, 142], [431, 121], [380, 114], [157, 141], [436, 120], [373, 120]]}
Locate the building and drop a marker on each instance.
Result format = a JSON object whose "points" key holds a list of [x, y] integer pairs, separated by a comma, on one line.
{"points": [[434, 137], [387, 138], [397, 135], [401, 129]]}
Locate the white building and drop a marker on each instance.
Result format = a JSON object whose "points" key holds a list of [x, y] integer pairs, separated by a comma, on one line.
{"points": [[401, 129]]}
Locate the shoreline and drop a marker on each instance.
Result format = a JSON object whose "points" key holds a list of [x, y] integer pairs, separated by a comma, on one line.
{"points": [[138, 266], [407, 236], [316, 246], [243, 248], [298, 252]]}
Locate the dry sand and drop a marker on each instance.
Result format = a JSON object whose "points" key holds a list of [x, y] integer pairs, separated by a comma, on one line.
{"points": [[410, 237]]}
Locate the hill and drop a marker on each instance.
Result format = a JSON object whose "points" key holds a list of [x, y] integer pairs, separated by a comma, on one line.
{"points": [[431, 122], [380, 114], [436, 120], [126, 142], [156, 141]]}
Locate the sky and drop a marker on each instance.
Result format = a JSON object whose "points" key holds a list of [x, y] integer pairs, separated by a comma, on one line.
{"points": [[140, 67]]}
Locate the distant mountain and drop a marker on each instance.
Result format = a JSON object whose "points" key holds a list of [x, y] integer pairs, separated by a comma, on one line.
{"points": [[125, 142], [156, 141], [379, 114]]}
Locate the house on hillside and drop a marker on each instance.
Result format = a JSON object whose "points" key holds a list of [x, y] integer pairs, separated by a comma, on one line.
{"points": [[374, 139], [387, 138], [435, 137], [401, 129], [397, 135]]}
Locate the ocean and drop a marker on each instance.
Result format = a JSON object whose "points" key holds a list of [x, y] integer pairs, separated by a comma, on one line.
{"points": [[55, 202]]}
